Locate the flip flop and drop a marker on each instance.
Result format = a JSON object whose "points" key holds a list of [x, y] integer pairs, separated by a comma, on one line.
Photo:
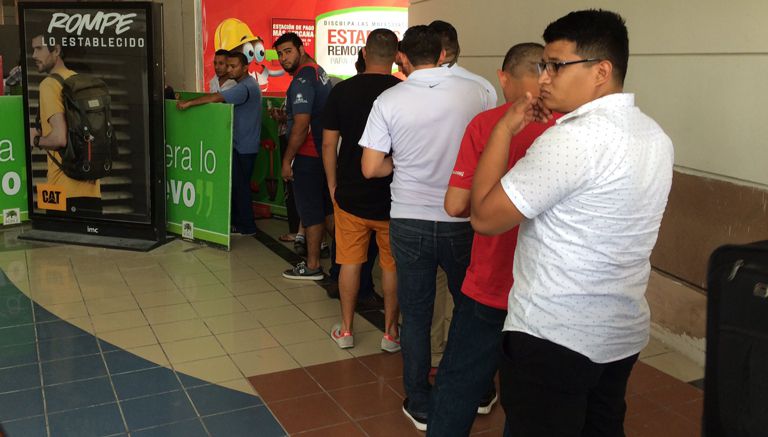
{"points": [[287, 238]]}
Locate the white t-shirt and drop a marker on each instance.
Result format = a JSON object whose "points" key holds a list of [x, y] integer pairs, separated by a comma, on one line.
{"points": [[214, 84], [593, 188], [421, 121], [490, 92]]}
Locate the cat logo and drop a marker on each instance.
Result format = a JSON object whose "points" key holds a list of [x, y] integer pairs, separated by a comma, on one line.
{"points": [[51, 197]]}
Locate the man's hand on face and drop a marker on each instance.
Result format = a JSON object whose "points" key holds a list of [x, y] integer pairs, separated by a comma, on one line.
{"points": [[287, 171]]}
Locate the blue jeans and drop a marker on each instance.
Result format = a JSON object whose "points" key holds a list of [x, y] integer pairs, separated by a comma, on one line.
{"points": [[419, 247], [242, 204], [465, 376]]}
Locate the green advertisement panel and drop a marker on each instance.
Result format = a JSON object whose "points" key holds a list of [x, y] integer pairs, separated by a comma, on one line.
{"points": [[13, 167], [266, 182], [198, 157]]}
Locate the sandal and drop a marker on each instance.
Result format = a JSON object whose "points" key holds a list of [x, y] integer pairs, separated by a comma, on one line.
{"points": [[287, 238]]}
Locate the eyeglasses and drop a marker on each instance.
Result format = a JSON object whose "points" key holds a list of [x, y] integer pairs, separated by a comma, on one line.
{"points": [[552, 67]]}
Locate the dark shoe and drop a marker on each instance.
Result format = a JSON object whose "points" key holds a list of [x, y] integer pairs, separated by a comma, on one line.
{"points": [[487, 403], [301, 271], [372, 303], [419, 420], [242, 232], [325, 250], [300, 246]]}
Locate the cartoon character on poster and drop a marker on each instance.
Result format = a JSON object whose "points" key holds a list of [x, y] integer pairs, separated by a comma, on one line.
{"points": [[233, 34]]}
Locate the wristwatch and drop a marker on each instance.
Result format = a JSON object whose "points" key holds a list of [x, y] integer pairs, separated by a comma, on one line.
{"points": [[36, 141]]}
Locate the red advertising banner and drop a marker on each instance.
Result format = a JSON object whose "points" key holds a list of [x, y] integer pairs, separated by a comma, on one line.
{"points": [[253, 28]]}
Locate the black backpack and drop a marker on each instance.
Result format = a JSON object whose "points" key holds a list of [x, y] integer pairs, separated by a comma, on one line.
{"points": [[91, 143]]}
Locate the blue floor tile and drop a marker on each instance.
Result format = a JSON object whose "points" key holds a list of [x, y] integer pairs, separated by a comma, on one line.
{"points": [[68, 348], [145, 382], [157, 410], [73, 369], [257, 421], [43, 315], [17, 335], [78, 394], [21, 404], [30, 427], [15, 310], [19, 378], [108, 347], [17, 355], [98, 421], [213, 399], [121, 361], [190, 381], [58, 330], [190, 428]]}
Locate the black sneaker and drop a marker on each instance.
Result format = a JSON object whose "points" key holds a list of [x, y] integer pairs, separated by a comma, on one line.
{"points": [[419, 420], [373, 303], [325, 250], [487, 403], [301, 271], [300, 246]]}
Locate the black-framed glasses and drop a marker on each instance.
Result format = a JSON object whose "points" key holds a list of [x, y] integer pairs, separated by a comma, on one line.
{"points": [[552, 67]]}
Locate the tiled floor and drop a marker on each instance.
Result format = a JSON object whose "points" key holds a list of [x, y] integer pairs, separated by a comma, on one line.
{"points": [[188, 341]]}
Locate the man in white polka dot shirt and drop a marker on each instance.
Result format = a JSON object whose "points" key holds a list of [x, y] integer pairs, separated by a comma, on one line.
{"points": [[589, 197]]}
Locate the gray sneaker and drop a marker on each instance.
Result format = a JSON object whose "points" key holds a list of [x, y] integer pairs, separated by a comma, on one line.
{"points": [[301, 271]]}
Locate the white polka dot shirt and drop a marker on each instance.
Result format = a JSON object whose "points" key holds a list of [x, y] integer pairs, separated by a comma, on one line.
{"points": [[593, 189]]}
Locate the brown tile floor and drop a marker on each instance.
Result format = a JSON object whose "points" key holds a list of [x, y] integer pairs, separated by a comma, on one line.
{"points": [[363, 397]]}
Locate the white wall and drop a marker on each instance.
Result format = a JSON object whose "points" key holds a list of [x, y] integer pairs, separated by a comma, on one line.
{"points": [[698, 67], [182, 44]]}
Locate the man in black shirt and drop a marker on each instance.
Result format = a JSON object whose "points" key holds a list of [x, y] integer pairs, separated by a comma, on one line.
{"points": [[361, 206]]}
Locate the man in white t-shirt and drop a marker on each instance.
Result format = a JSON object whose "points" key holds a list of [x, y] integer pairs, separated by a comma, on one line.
{"points": [[450, 40], [221, 81], [415, 128], [589, 197]]}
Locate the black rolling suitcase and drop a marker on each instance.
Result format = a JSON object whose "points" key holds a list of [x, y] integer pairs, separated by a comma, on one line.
{"points": [[736, 385]]}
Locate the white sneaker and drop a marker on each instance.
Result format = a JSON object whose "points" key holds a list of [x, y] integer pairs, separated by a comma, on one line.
{"points": [[344, 340], [390, 344]]}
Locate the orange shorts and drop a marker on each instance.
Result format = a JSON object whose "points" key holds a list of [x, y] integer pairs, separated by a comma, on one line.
{"points": [[353, 234]]}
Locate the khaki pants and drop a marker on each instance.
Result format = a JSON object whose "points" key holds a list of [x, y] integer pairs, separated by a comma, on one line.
{"points": [[441, 319]]}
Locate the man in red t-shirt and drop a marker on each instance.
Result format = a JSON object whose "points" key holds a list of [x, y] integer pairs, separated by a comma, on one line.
{"points": [[464, 383]]}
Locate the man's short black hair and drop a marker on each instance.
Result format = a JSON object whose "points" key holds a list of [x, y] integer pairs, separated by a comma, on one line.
{"points": [[448, 36], [421, 45], [221, 52], [522, 58], [239, 55], [598, 34], [381, 46], [289, 37]]}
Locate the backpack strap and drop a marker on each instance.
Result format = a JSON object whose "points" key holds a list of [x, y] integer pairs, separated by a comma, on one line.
{"points": [[58, 78]]}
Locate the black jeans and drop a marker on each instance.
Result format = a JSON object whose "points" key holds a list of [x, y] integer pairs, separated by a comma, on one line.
{"points": [[550, 390]]}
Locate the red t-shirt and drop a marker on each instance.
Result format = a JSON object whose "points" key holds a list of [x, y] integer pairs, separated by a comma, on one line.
{"points": [[489, 276]]}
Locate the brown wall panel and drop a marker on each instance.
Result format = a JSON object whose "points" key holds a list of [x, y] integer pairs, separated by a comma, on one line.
{"points": [[701, 215]]}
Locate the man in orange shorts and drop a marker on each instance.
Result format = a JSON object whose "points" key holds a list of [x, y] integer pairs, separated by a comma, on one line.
{"points": [[361, 206]]}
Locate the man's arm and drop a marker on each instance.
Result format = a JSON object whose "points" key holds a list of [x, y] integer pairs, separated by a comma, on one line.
{"points": [[457, 202], [57, 138], [296, 138], [492, 212], [330, 143], [202, 100], [376, 164]]}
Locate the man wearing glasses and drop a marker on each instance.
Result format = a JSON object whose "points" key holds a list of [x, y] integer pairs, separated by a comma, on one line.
{"points": [[589, 197]]}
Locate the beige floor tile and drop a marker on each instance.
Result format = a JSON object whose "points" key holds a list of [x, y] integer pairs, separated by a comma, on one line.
{"points": [[654, 347], [360, 324], [95, 265], [118, 321], [181, 270], [139, 277], [96, 292], [181, 330], [153, 353], [280, 283], [232, 322], [263, 300], [677, 365], [300, 332], [195, 280], [83, 323], [111, 305], [145, 268], [68, 310], [23, 286], [317, 352], [245, 341], [279, 316], [160, 298], [241, 385], [170, 313], [215, 265], [130, 338], [158, 284], [48, 297], [193, 349], [264, 361], [308, 293], [320, 309], [236, 275], [206, 292], [99, 279], [210, 253], [253, 286], [214, 370], [15, 270], [366, 343], [218, 307], [127, 265]]}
